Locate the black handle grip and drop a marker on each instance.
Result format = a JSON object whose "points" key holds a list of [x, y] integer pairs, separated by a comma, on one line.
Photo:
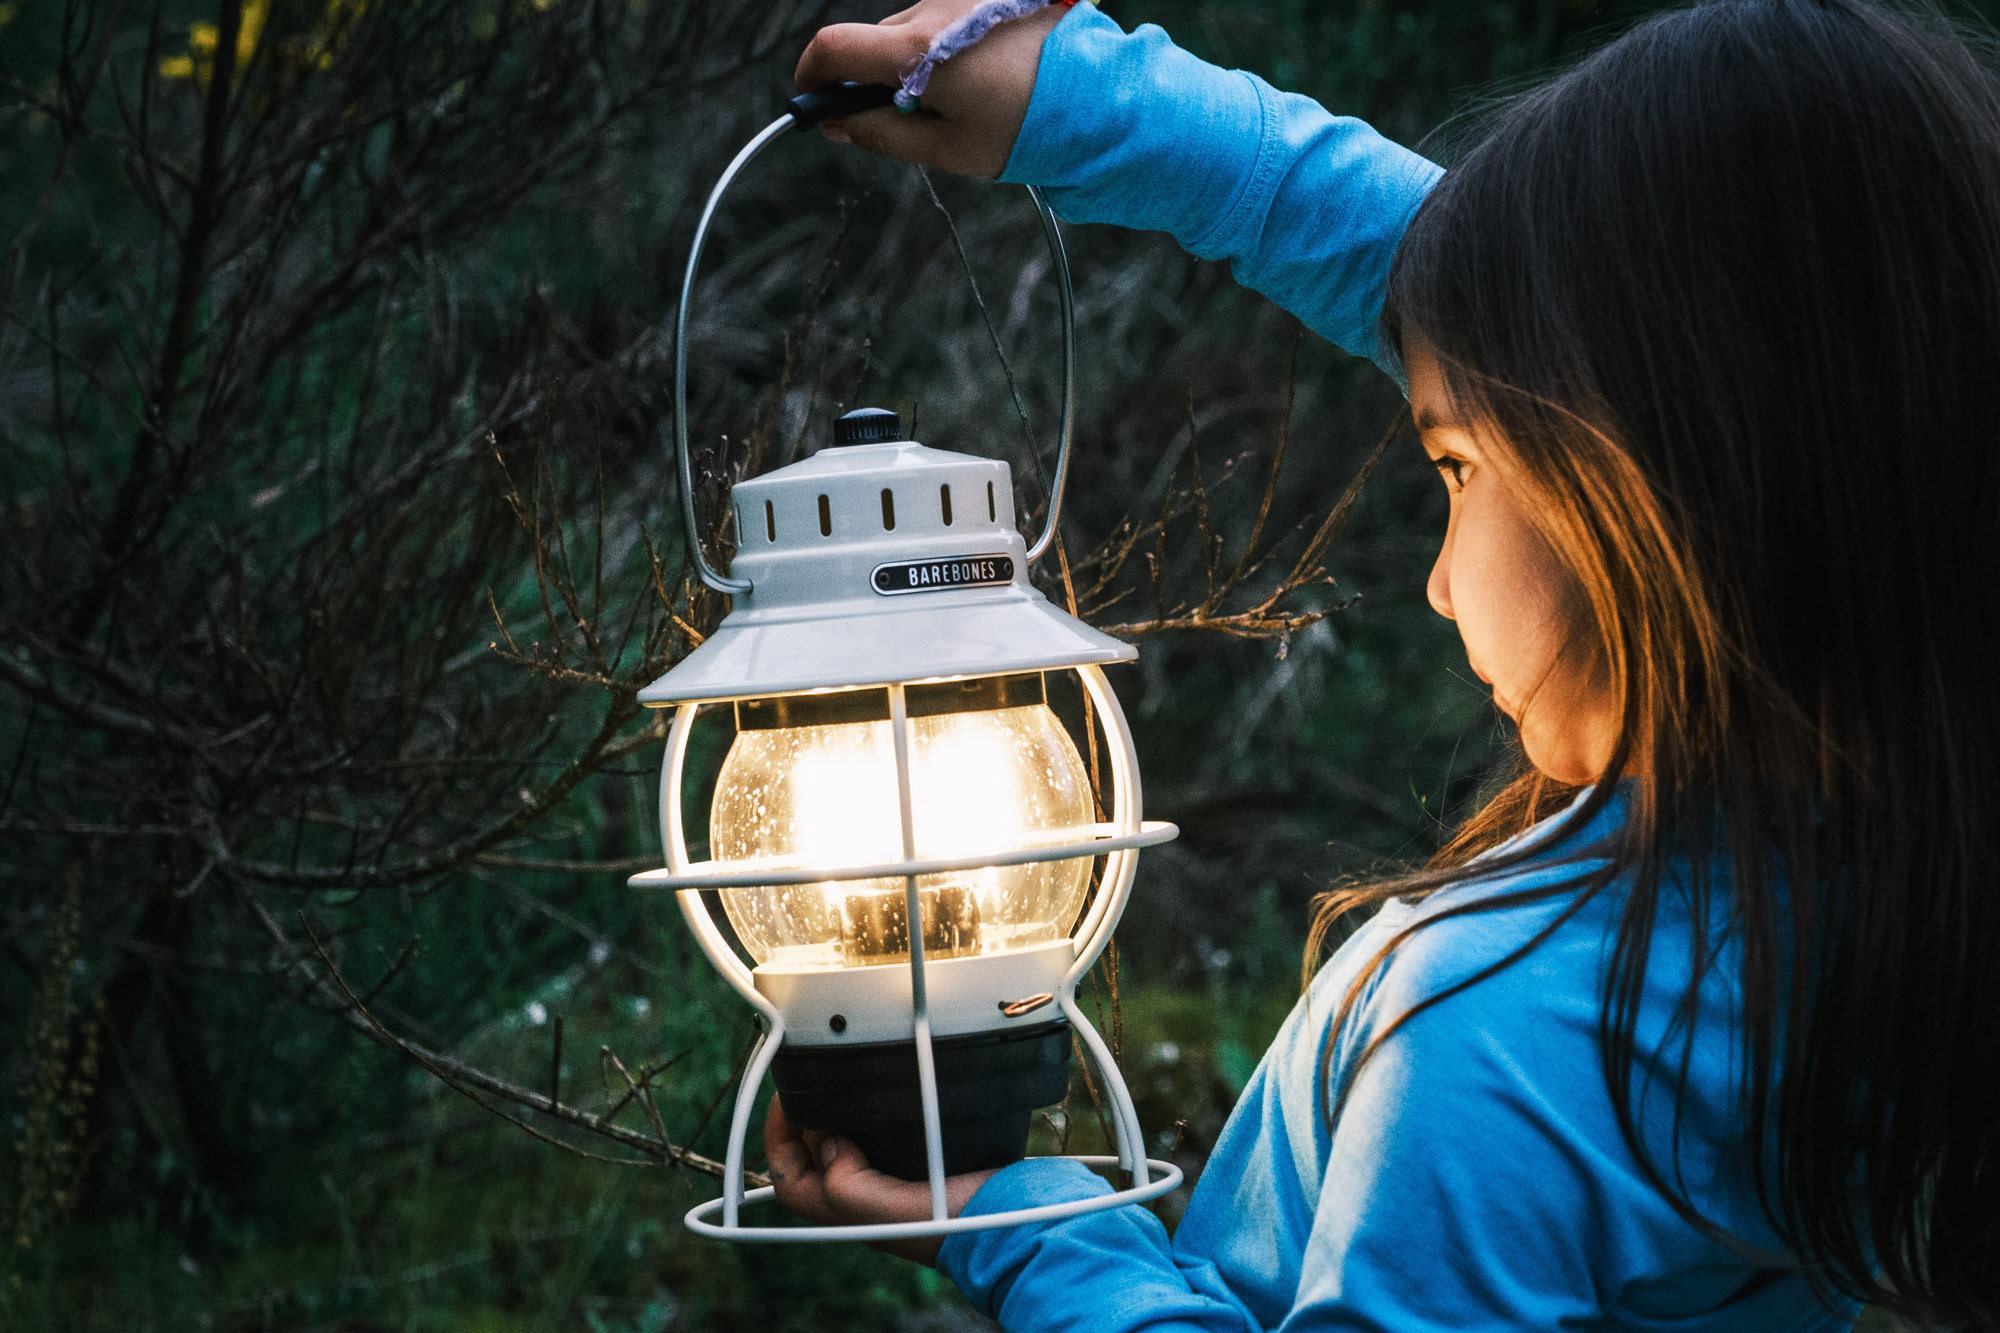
{"points": [[838, 99]]}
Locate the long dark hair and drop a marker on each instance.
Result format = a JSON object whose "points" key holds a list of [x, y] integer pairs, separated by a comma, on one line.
{"points": [[1728, 290]]}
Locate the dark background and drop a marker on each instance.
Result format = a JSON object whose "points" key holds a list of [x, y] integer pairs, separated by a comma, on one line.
{"points": [[338, 533]]}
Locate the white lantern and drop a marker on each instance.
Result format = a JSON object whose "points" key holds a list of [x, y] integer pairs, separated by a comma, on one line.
{"points": [[902, 832]]}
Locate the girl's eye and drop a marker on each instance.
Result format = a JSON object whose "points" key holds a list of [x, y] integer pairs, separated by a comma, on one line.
{"points": [[1454, 470]]}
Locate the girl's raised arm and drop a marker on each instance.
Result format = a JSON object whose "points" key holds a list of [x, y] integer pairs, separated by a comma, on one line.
{"points": [[1127, 128]]}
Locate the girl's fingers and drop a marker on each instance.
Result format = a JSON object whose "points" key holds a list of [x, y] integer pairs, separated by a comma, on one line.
{"points": [[974, 105], [826, 1179], [857, 1189], [779, 1136], [921, 138], [861, 53], [793, 1166]]}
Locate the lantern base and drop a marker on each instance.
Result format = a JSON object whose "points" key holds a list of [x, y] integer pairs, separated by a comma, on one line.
{"points": [[989, 1084]]}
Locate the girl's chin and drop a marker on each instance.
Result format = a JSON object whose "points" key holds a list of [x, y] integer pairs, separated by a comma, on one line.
{"points": [[1556, 759], [1562, 764]]}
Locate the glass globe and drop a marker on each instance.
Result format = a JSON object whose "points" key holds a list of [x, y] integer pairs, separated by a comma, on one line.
{"points": [[981, 782]]}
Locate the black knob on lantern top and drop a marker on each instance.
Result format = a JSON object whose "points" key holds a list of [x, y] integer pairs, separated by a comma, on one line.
{"points": [[868, 425]]}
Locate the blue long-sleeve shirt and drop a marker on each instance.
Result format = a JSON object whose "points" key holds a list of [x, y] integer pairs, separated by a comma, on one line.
{"points": [[1477, 1177]]}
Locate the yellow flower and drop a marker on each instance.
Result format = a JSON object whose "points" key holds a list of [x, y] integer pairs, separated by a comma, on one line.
{"points": [[196, 66], [317, 48]]}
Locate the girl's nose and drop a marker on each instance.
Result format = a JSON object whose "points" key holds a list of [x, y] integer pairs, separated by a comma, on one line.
{"points": [[1439, 587]]}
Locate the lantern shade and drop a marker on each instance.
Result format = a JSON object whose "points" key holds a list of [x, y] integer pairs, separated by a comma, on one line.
{"points": [[875, 563], [990, 780]]}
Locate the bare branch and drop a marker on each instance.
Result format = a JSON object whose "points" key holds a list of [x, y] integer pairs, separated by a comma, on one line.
{"points": [[463, 1077]]}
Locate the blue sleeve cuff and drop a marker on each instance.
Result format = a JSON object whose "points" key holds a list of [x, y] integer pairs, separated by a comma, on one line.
{"points": [[983, 1263], [1103, 1272]]}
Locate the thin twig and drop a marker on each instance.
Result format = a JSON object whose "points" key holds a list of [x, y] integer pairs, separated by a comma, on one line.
{"points": [[462, 1077]]}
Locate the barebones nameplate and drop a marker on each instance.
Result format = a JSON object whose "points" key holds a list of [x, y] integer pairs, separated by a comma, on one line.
{"points": [[964, 571]]}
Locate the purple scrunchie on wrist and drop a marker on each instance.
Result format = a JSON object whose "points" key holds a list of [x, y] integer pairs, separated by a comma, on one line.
{"points": [[960, 35]]}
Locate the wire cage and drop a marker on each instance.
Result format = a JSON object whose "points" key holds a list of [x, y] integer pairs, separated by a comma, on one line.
{"points": [[1118, 841]]}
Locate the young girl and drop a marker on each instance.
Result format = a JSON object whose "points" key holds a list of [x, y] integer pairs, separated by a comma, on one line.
{"points": [[1693, 1026]]}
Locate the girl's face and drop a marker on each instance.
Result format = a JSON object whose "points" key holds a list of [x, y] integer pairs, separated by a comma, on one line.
{"points": [[1523, 619]]}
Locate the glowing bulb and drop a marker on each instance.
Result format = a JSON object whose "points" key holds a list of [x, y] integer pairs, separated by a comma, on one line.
{"points": [[824, 795]]}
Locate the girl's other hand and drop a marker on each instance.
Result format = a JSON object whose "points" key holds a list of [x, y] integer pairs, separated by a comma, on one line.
{"points": [[825, 1179], [972, 110]]}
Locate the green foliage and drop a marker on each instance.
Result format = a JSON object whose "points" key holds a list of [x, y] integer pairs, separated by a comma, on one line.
{"points": [[464, 1230]]}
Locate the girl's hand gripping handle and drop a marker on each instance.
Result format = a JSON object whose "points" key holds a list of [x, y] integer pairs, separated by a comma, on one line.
{"points": [[827, 1181], [972, 110], [837, 100]]}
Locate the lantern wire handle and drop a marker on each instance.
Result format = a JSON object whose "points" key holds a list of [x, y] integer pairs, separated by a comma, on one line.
{"points": [[1053, 234], [726, 583], [719, 582]]}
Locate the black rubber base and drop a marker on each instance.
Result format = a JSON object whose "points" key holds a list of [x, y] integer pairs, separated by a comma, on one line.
{"points": [[989, 1083]]}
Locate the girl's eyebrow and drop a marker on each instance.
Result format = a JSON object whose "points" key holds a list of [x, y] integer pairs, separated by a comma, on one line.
{"points": [[1426, 419]]}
